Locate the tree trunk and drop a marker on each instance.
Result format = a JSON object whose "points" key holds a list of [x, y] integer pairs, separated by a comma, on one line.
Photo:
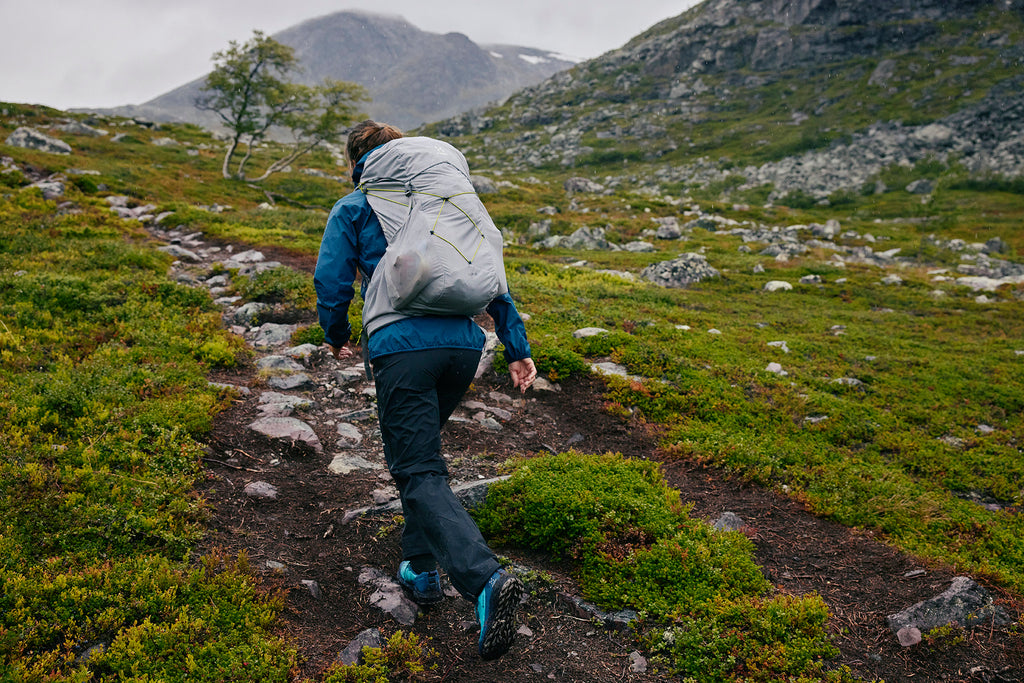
{"points": [[226, 168], [245, 159]]}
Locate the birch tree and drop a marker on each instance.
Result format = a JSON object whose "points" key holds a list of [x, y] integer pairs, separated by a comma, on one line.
{"points": [[252, 92]]}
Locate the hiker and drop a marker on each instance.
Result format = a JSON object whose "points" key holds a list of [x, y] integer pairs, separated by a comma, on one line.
{"points": [[422, 365]]}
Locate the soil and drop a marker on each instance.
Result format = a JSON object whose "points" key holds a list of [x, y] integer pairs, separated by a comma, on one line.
{"points": [[860, 578]]}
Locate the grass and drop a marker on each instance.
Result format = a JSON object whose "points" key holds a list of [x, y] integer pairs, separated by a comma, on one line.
{"points": [[103, 393], [104, 399], [715, 616], [930, 369]]}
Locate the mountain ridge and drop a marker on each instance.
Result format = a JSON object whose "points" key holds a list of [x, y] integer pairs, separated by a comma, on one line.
{"points": [[413, 76], [718, 92]]}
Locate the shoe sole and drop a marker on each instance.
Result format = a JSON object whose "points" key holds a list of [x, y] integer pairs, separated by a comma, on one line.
{"points": [[501, 627]]}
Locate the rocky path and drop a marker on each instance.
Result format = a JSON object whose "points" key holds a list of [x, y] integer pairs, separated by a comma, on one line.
{"points": [[297, 481]]}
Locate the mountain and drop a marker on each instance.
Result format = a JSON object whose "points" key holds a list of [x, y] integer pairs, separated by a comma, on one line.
{"points": [[809, 95], [412, 76]]}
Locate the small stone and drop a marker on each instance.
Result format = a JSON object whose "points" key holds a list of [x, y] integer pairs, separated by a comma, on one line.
{"points": [[353, 652], [275, 566], [389, 597], [637, 663], [500, 413], [287, 429], [908, 636], [313, 587], [261, 489], [345, 464], [589, 332], [383, 496], [349, 435], [500, 397], [349, 375], [359, 415], [302, 351], [249, 256], [728, 521], [490, 424], [777, 286], [273, 334], [275, 363], [298, 381], [543, 384]]}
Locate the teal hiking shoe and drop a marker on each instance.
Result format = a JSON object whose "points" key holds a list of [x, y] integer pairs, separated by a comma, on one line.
{"points": [[424, 588], [496, 610]]}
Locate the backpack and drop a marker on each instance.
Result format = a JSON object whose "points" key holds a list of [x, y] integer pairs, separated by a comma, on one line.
{"points": [[444, 251]]}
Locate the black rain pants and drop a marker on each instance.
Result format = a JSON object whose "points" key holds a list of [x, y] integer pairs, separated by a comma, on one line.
{"points": [[416, 394]]}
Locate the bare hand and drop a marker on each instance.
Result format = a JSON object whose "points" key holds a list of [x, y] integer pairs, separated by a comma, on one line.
{"points": [[340, 352], [523, 373]]}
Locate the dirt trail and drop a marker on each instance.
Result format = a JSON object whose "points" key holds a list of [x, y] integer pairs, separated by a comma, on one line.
{"points": [[305, 529]]}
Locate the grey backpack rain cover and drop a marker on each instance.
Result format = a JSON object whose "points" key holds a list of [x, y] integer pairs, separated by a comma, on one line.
{"points": [[444, 251]]}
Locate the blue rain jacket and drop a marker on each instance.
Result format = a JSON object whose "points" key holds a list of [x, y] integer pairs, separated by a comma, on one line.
{"points": [[354, 242]]}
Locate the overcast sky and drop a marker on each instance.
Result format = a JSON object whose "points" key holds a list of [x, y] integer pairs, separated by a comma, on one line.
{"points": [[104, 53]]}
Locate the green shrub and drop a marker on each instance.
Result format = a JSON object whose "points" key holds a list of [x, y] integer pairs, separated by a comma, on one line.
{"points": [[676, 575], [604, 344], [13, 179], [401, 658], [103, 393], [572, 503], [750, 639], [86, 184], [638, 549], [308, 334], [990, 183], [139, 619], [558, 363], [798, 199], [279, 285], [218, 353]]}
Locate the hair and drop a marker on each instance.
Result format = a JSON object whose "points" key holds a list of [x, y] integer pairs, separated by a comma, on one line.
{"points": [[366, 135]]}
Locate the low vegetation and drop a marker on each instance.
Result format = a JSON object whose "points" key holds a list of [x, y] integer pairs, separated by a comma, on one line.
{"points": [[103, 393], [636, 548], [104, 398]]}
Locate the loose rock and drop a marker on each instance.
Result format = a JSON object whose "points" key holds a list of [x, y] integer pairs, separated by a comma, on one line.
{"points": [[287, 429], [261, 489]]}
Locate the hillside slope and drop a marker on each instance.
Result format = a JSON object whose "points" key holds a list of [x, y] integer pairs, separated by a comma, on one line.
{"points": [[814, 95]]}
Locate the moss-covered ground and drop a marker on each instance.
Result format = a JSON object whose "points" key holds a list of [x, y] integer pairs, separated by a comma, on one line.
{"points": [[103, 365]]}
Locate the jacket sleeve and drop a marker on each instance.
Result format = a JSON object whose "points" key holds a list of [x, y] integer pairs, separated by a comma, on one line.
{"points": [[336, 268], [509, 328]]}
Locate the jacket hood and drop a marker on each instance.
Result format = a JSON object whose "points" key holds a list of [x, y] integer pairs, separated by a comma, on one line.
{"points": [[357, 172]]}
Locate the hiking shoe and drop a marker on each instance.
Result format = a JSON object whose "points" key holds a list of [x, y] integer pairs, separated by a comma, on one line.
{"points": [[496, 611], [424, 588]]}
